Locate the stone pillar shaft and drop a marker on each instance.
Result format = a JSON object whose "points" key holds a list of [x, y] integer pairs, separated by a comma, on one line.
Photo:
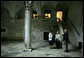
{"points": [[27, 39], [60, 29], [27, 28]]}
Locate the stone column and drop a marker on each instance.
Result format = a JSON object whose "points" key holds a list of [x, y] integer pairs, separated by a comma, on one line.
{"points": [[27, 39], [60, 29]]}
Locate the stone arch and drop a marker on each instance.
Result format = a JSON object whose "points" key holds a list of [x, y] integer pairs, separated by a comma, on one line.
{"points": [[20, 13], [47, 5], [5, 14]]}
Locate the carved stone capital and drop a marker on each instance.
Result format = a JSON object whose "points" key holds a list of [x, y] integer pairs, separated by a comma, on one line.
{"points": [[27, 3]]}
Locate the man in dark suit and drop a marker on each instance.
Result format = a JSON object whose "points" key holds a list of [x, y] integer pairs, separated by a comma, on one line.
{"points": [[65, 39]]}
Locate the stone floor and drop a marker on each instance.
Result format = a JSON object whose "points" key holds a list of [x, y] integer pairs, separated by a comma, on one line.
{"points": [[40, 49]]}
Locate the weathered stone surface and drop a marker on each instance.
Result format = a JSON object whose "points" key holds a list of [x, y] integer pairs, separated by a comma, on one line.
{"points": [[39, 49], [15, 25]]}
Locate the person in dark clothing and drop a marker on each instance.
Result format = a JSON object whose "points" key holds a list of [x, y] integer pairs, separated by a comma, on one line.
{"points": [[65, 39], [53, 38]]}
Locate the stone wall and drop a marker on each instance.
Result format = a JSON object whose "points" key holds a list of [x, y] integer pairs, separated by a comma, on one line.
{"points": [[14, 23], [75, 14], [15, 26], [39, 26]]}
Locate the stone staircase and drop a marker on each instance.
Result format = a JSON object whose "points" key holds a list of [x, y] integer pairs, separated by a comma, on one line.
{"points": [[73, 35]]}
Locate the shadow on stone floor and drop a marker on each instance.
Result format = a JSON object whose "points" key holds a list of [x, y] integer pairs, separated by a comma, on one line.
{"points": [[10, 54], [74, 50], [42, 46]]}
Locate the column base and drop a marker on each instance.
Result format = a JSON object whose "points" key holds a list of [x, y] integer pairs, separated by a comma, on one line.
{"points": [[28, 50]]}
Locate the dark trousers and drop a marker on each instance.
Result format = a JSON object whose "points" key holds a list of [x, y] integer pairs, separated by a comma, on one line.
{"points": [[51, 42], [66, 45], [58, 44]]}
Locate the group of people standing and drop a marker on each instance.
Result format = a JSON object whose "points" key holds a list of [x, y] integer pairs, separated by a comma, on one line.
{"points": [[58, 40]]}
